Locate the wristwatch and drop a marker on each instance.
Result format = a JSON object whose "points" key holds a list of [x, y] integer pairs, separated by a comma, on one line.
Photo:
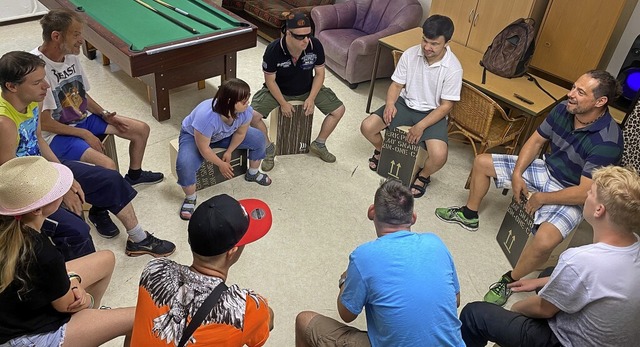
{"points": [[105, 112]]}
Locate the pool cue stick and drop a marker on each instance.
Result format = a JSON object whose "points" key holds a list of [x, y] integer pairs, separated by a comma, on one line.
{"points": [[215, 13], [169, 18], [186, 14]]}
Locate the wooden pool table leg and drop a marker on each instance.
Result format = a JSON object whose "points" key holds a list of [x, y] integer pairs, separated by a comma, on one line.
{"points": [[158, 93], [88, 50], [201, 85]]}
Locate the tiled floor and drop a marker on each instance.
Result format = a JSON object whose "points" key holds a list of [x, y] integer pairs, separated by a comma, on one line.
{"points": [[319, 209]]}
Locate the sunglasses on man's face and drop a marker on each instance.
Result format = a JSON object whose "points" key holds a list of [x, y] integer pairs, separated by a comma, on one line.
{"points": [[300, 37]]}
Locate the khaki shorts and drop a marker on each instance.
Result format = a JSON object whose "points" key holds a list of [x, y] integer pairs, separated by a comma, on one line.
{"points": [[263, 102], [327, 332]]}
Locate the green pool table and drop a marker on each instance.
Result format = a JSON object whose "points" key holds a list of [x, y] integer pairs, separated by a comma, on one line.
{"points": [[161, 53]]}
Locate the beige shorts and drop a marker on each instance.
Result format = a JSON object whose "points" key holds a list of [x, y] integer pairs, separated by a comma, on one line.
{"points": [[327, 332]]}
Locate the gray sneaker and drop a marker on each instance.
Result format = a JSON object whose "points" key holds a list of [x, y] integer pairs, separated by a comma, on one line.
{"points": [[322, 152], [454, 215], [268, 162]]}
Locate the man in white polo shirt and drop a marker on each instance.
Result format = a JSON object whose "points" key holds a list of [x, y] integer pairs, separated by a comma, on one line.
{"points": [[425, 84]]}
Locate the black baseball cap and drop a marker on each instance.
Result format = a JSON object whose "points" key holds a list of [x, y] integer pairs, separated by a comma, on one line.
{"points": [[298, 20], [222, 222]]}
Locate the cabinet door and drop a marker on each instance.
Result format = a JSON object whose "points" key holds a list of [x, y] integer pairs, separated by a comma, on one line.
{"points": [[573, 37], [461, 13], [492, 16]]}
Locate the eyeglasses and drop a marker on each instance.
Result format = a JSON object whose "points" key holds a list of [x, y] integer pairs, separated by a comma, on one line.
{"points": [[300, 37]]}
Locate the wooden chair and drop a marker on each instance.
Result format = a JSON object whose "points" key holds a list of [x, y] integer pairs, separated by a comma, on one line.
{"points": [[631, 136], [482, 122]]}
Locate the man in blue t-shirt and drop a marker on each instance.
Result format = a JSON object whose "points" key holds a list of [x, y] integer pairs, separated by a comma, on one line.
{"points": [[582, 136], [406, 281]]}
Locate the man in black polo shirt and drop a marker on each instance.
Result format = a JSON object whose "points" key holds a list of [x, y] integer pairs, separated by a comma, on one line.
{"points": [[289, 64]]}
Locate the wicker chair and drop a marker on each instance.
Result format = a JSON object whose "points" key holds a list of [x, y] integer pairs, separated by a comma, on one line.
{"points": [[396, 56], [481, 120]]}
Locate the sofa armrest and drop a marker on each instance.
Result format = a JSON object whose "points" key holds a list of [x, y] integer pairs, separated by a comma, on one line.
{"points": [[342, 15], [366, 45]]}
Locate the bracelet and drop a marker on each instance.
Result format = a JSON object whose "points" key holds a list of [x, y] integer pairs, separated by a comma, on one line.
{"points": [[341, 281], [73, 275], [93, 302], [105, 112]]}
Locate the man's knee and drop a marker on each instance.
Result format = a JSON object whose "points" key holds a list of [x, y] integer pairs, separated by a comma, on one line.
{"points": [[94, 157], [371, 125], [546, 239], [303, 319], [438, 152], [483, 163], [339, 112]]}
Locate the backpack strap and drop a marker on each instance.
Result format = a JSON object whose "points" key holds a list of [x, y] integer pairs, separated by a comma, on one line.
{"points": [[202, 312], [531, 78]]}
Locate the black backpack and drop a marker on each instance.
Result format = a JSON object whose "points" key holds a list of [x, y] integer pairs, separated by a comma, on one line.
{"points": [[511, 50]]}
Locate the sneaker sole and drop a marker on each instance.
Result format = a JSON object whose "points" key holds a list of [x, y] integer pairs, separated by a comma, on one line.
{"points": [[155, 255], [457, 222], [107, 236], [145, 183], [319, 155], [103, 235]]}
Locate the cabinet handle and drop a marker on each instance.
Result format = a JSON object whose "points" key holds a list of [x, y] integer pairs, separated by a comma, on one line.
{"points": [[475, 19], [471, 14]]}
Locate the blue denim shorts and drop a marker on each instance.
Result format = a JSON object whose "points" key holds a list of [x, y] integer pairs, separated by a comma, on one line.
{"points": [[50, 339], [72, 147]]}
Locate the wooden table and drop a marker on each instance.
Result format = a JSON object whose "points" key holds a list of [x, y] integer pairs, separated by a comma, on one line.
{"points": [[499, 88]]}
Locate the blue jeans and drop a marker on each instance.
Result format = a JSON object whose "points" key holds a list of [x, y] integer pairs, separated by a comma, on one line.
{"points": [[189, 158]]}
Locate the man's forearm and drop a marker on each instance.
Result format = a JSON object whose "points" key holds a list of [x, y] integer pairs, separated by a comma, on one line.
{"points": [[535, 307], [93, 106], [527, 155], [435, 116], [275, 92], [393, 93], [575, 195], [318, 81], [53, 126]]}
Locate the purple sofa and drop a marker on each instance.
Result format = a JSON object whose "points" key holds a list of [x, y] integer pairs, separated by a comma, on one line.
{"points": [[349, 32]]}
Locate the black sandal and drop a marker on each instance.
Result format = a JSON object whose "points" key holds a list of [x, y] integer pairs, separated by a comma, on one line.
{"points": [[421, 189], [373, 161]]}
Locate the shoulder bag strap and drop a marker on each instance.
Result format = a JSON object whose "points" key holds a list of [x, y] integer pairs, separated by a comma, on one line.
{"points": [[202, 312]]}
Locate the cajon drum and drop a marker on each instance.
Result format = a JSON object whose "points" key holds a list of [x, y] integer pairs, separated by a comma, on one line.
{"points": [[109, 144], [516, 232], [291, 135], [208, 174], [398, 158]]}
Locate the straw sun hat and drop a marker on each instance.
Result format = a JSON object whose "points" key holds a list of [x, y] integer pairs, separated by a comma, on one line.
{"points": [[29, 183]]}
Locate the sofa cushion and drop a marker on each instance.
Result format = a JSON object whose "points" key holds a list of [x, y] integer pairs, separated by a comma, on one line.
{"points": [[269, 12], [336, 43]]}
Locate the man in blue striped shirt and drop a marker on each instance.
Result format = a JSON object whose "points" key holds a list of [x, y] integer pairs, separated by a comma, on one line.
{"points": [[582, 136]]}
